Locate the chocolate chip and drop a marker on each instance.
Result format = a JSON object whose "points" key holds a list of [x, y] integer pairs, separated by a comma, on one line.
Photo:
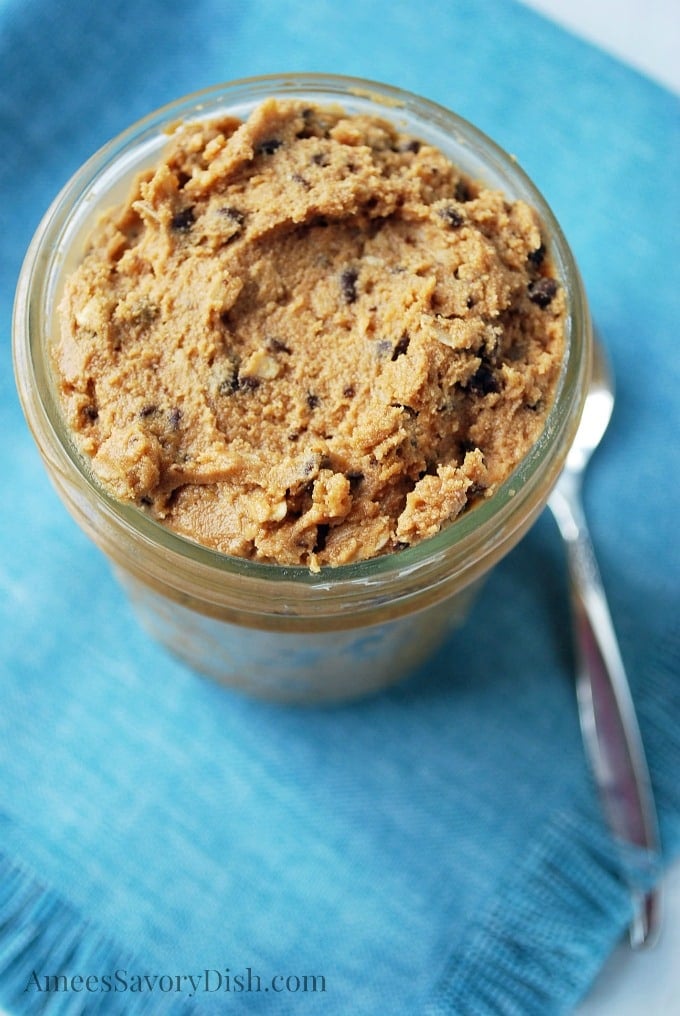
{"points": [[268, 146], [299, 178], [401, 346], [322, 531], [320, 159], [349, 392], [147, 410], [348, 284], [409, 410], [542, 291], [312, 400], [278, 346], [410, 146], [90, 413], [229, 385], [537, 256], [183, 220], [146, 501], [174, 416], [484, 381], [355, 477], [307, 130], [452, 217], [235, 214], [462, 192], [248, 383], [237, 218]]}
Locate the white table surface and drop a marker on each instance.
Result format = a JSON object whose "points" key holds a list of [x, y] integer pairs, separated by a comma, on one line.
{"points": [[646, 35], [643, 33]]}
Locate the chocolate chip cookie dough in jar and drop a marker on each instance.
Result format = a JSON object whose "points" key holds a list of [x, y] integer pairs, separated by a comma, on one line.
{"points": [[303, 355]]}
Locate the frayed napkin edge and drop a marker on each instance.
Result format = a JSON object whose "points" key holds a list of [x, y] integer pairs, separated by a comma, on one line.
{"points": [[42, 934], [530, 952]]}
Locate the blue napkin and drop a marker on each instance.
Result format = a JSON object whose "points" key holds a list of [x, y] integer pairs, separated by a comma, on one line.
{"points": [[166, 846]]}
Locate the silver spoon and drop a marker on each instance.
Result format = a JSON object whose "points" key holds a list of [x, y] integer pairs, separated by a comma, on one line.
{"points": [[608, 722]]}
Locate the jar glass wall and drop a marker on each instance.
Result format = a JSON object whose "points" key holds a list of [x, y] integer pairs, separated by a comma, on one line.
{"points": [[280, 631]]}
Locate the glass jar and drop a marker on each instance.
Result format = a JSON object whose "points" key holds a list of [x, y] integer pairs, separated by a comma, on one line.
{"points": [[277, 631]]}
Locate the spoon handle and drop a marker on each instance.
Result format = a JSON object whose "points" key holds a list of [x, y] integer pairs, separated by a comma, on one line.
{"points": [[608, 721]]}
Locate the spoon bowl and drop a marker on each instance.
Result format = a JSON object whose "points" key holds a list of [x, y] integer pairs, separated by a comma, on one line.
{"points": [[597, 411]]}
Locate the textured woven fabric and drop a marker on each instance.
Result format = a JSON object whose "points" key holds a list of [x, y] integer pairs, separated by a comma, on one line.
{"points": [[436, 849]]}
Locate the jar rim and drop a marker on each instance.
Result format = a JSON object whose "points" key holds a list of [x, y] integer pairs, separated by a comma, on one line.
{"points": [[477, 530]]}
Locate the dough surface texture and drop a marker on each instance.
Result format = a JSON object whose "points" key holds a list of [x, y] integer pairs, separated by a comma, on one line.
{"points": [[308, 339]]}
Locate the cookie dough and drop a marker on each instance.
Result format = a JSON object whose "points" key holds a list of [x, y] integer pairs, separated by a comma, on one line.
{"points": [[308, 338]]}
